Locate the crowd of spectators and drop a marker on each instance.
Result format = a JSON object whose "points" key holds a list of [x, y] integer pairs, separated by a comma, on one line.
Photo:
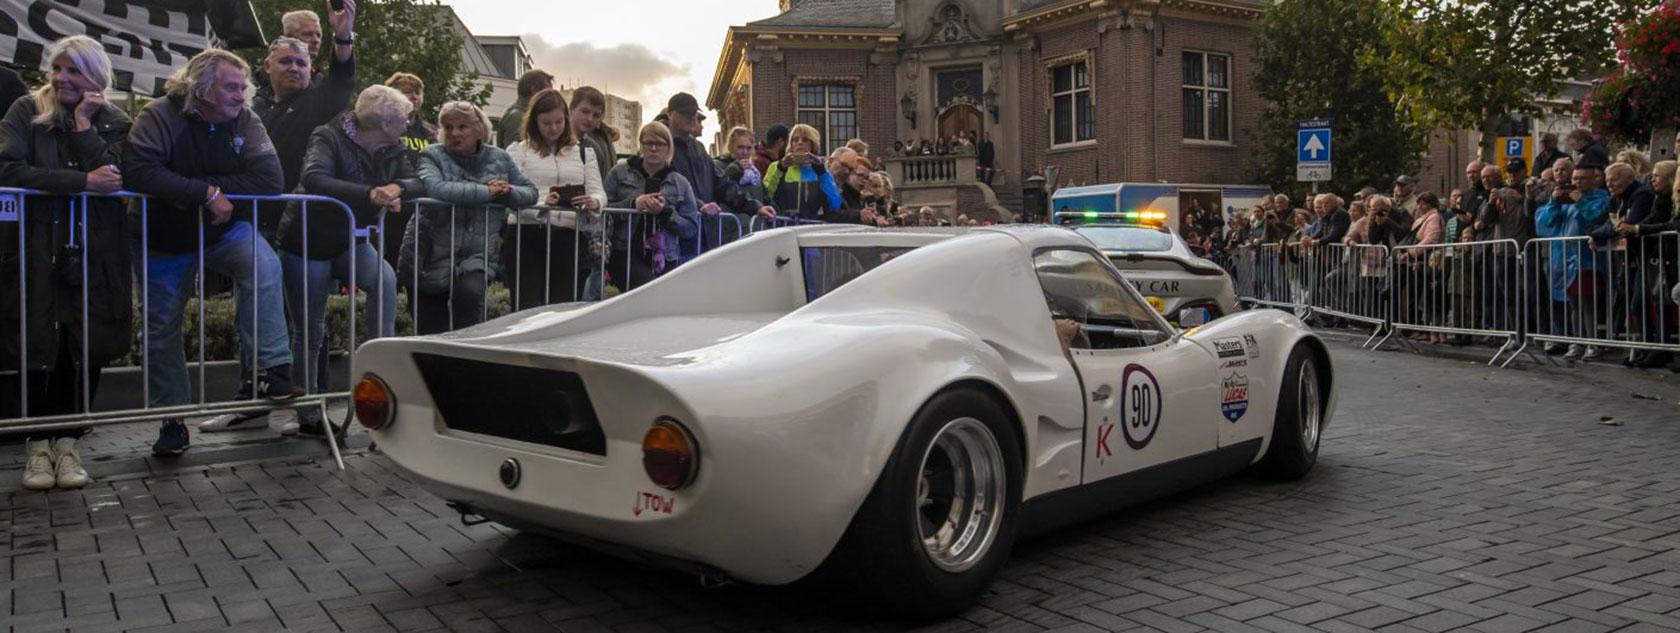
{"points": [[1607, 276], [467, 204]]}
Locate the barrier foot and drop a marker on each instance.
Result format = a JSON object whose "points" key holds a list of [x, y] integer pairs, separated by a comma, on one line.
{"points": [[1378, 330], [1500, 351], [1388, 335], [332, 435], [1514, 354]]}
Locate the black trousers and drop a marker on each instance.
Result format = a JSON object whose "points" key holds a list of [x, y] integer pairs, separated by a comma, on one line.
{"points": [[533, 254], [55, 391], [433, 312]]}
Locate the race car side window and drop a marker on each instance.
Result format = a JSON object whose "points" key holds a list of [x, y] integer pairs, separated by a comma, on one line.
{"points": [[1079, 286]]}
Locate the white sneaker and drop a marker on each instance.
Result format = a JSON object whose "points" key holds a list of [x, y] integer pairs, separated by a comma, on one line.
{"points": [[234, 422], [1590, 354], [69, 464], [1575, 351], [38, 471]]}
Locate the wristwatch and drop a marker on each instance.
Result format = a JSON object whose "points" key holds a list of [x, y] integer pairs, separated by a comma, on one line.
{"points": [[345, 42]]}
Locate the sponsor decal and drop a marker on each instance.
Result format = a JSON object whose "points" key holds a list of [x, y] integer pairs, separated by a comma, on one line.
{"points": [[1233, 401], [1253, 345], [1140, 406], [1157, 287], [1228, 347], [655, 503], [1235, 363]]}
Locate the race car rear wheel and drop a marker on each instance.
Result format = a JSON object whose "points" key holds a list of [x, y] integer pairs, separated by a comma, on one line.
{"points": [[1299, 421], [942, 517]]}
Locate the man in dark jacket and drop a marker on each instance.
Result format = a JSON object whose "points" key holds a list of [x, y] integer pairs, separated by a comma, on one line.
{"points": [[770, 151], [716, 194], [294, 103], [587, 108], [1333, 221], [1475, 193], [1549, 153], [1631, 202], [510, 128], [1592, 153], [189, 151]]}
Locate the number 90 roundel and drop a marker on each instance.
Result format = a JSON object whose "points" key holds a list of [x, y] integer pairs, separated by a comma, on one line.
{"points": [[1140, 405]]}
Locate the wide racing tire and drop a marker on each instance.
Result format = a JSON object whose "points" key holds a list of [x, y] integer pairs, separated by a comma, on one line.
{"points": [[1299, 423], [941, 519]]}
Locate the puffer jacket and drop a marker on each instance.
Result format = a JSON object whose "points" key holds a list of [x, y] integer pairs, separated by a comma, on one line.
{"points": [[56, 160], [677, 226], [473, 225], [807, 192], [337, 166]]}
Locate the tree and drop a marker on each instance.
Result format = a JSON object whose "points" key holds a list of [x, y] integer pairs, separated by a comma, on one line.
{"points": [[1312, 60], [1467, 65], [1642, 95], [413, 36]]}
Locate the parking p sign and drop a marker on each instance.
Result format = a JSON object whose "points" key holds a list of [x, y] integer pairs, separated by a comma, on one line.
{"points": [[1514, 147]]}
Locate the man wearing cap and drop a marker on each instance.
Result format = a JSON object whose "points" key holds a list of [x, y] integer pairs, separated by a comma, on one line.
{"points": [[689, 158], [1405, 200]]}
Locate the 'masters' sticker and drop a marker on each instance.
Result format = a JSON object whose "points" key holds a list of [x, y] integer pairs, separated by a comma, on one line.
{"points": [[1228, 347]]}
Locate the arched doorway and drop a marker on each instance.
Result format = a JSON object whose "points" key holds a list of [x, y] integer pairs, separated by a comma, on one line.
{"points": [[961, 118]]}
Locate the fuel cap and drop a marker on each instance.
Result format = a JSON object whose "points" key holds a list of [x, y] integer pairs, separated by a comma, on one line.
{"points": [[509, 473]]}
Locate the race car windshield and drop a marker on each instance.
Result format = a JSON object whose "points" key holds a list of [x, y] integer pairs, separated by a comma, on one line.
{"points": [[829, 267], [1128, 239]]}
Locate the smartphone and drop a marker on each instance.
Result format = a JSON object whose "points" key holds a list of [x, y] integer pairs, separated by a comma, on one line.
{"points": [[567, 192], [337, 5]]}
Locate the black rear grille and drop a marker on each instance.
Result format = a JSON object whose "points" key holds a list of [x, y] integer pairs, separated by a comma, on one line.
{"points": [[541, 406]]}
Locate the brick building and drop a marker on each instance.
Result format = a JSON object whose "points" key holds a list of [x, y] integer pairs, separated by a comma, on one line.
{"points": [[1103, 90]]}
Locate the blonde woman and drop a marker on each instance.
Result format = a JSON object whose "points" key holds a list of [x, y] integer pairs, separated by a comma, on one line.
{"points": [[798, 184], [64, 139], [477, 179], [665, 230]]}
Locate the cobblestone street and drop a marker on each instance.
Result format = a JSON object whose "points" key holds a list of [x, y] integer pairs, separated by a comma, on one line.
{"points": [[1448, 496]]}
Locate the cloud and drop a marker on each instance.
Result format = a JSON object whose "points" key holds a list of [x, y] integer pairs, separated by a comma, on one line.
{"points": [[632, 71]]}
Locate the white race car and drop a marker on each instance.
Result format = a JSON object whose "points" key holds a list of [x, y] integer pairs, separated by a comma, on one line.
{"points": [[889, 406], [1188, 289]]}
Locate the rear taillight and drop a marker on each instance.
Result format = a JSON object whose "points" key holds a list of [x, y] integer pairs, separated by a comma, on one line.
{"points": [[670, 455], [375, 406]]}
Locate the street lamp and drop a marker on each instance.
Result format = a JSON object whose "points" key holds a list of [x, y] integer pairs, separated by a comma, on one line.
{"points": [[908, 105], [990, 99]]}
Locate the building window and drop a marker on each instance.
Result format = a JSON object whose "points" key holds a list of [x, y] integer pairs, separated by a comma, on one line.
{"points": [[1207, 97], [1073, 117], [832, 109]]}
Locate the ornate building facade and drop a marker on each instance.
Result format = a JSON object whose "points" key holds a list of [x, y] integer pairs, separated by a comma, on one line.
{"points": [[1101, 90]]}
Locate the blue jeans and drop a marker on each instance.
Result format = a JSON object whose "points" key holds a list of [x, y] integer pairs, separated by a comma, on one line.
{"points": [[258, 308], [324, 276]]}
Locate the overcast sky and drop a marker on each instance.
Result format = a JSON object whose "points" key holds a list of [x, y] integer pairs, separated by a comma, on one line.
{"points": [[644, 50]]}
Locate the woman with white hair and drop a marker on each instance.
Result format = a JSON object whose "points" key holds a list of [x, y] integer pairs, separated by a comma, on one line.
{"points": [[451, 248], [359, 159], [64, 139]]}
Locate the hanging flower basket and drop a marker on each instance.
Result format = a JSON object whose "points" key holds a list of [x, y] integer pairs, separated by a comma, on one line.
{"points": [[1643, 92]]}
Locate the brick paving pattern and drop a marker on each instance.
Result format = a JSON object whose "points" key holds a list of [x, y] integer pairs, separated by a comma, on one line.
{"points": [[1448, 497]]}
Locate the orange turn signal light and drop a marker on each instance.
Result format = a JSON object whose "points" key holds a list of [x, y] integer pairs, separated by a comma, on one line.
{"points": [[375, 406], [670, 455]]}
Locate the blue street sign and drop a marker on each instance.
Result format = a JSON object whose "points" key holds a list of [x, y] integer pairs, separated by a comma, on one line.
{"points": [[1312, 145], [1514, 148]]}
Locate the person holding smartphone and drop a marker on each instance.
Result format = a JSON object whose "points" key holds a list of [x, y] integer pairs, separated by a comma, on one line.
{"points": [[547, 250]]}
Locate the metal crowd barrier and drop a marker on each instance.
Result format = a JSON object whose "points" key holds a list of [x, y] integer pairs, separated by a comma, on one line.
{"points": [[1461, 289], [1349, 282], [250, 351], [1611, 296], [1551, 290]]}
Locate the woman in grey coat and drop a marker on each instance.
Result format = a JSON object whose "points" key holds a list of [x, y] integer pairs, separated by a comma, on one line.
{"points": [[665, 230], [448, 249]]}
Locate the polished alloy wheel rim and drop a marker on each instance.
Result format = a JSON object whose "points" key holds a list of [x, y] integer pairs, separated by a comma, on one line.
{"points": [[1310, 406], [960, 495]]}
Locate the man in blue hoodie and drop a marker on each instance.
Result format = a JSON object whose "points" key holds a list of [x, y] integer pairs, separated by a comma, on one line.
{"points": [[1575, 210]]}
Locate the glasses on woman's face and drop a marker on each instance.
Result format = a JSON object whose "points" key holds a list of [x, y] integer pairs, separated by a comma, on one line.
{"points": [[654, 145]]}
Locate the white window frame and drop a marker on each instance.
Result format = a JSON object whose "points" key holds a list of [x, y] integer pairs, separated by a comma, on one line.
{"points": [[830, 141], [1072, 94], [1205, 88]]}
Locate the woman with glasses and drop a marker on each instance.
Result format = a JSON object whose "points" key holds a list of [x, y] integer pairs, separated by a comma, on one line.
{"points": [[664, 230]]}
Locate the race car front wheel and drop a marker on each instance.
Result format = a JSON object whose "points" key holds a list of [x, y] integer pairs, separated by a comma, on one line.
{"points": [[941, 519], [1299, 420]]}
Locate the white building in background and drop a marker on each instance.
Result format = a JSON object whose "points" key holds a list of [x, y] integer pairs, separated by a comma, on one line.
{"points": [[626, 117]]}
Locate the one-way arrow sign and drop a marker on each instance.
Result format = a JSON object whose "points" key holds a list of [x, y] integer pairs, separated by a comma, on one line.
{"points": [[1313, 145]]}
